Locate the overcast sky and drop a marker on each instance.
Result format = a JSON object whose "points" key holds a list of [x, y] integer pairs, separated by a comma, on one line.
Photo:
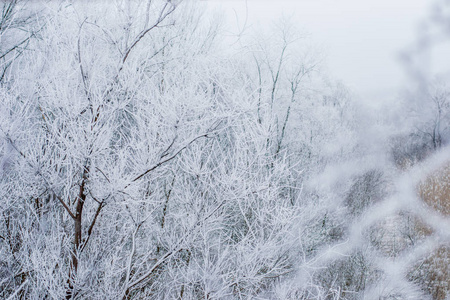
{"points": [[361, 40]]}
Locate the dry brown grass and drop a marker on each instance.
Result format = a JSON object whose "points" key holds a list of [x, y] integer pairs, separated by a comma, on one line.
{"points": [[433, 272], [435, 190]]}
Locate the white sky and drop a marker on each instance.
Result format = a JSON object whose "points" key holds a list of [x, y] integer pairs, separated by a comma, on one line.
{"points": [[361, 39]]}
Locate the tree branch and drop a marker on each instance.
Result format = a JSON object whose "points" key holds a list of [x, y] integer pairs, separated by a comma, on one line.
{"points": [[162, 162], [162, 16], [13, 296], [171, 253], [63, 204], [66, 207], [91, 227], [80, 62]]}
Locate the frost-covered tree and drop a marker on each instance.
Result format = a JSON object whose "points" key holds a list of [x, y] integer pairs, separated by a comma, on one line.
{"points": [[134, 164]]}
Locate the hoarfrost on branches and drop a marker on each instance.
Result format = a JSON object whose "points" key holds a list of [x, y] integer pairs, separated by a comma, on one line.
{"points": [[138, 161]]}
